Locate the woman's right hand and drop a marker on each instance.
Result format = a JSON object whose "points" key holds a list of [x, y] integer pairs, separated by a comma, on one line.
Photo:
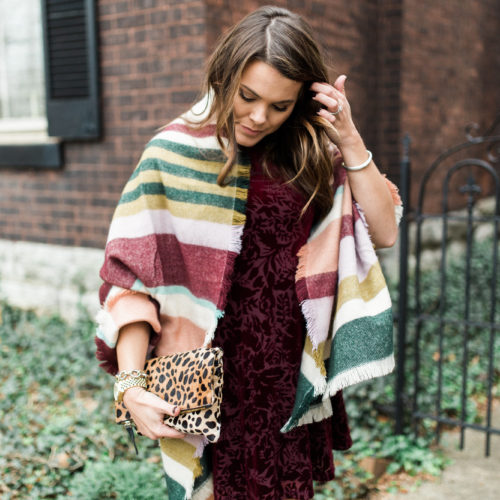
{"points": [[148, 411]]}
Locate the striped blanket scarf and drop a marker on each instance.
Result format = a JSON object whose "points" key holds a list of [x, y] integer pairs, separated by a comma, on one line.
{"points": [[172, 244]]}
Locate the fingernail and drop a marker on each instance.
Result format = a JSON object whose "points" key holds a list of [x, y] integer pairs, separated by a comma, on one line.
{"points": [[175, 409]]}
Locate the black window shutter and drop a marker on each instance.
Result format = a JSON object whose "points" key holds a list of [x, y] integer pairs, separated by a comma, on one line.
{"points": [[71, 68]]}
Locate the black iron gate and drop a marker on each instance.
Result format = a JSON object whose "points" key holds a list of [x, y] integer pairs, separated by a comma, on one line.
{"points": [[449, 309]]}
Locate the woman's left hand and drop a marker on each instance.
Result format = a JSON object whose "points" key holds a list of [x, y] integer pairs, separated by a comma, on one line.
{"points": [[337, 111], [368, 187]]}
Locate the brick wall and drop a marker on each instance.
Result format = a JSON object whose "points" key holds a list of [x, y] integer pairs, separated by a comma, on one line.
{"points": [[421, 67], [388, 61], [450, 76], [151, 58]]}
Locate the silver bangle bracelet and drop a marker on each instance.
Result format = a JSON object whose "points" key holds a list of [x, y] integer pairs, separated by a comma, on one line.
{"points": [[362, 166]]}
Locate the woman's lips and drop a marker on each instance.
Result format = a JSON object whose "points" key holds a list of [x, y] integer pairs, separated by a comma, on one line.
{"points": [[250, 131]]}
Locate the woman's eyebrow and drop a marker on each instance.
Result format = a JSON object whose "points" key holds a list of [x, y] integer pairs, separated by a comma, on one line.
{"points": [[285, 101]]}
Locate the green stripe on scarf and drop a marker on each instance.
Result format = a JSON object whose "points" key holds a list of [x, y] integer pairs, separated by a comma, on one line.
{"points": [[206, 154], [361, 341], [160, 165], [356, 343], [174, 194], [175, 490], [303, 398]]}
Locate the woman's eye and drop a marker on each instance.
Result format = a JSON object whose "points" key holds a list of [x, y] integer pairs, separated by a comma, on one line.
{"points": [[246, 98], [281, 109]]}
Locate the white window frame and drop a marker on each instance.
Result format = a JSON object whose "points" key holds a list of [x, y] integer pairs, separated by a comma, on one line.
{"points": [[21, 130]]}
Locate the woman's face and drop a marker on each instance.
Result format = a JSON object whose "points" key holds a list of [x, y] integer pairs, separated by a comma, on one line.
{"points": [[265, 99]]}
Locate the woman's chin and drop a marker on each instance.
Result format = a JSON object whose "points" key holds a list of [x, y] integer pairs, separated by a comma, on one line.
{"points": [[245, 140]]}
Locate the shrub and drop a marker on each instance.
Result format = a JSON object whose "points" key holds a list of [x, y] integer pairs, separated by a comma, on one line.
{"points": [[120, 480]]}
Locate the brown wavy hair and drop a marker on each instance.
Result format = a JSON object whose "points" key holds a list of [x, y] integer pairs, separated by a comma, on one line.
{"points": [[300, 148]]}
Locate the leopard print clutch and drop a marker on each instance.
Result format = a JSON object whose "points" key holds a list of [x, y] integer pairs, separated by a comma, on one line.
{"points": [[191, 380]]}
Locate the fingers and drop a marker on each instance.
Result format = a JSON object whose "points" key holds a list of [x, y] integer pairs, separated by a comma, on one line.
{"points": [[327, 115], [169, 432], [148, 412], [152, 426], [340, 83], [167, 408], [162, 431], [330, 97], [337, 89], [147, 398], [331, 104], [321, 87]]}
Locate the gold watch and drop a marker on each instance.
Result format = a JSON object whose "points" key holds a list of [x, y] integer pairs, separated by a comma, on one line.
{"points": [[122, 385]]}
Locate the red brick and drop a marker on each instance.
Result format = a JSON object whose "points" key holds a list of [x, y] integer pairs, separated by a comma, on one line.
{"points": [[425, 68]]}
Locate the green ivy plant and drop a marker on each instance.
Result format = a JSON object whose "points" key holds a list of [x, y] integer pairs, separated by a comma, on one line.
{"points": [[120, 479], [59, 440]]}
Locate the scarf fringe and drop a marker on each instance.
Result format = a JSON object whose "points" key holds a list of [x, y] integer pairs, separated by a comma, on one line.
{"points": [[359, 374], [235, 244], [236, 238], [200, 447], [210, 333], [309, 311], [320, 386], [398, 212], [107, 330], [317, 413], [198, 442], [107, 356], [361, 214], [302, 255], [205, 491]]}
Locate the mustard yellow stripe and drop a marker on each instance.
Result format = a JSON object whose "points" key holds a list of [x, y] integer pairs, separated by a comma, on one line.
{"points": [[185, 183], [206, 166], [316, 355], [242, 170], [350, 288], [181, 209], [182, 452], [308, 347]]}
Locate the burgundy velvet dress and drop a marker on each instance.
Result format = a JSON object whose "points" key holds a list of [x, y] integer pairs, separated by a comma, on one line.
{"points": [[262, 335]]}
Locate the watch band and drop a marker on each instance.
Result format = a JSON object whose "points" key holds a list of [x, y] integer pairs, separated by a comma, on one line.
{"points": [[130, 373], [123, 385]]}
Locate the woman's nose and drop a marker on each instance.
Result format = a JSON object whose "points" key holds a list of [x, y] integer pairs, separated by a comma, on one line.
{"points": [[258, 115]]}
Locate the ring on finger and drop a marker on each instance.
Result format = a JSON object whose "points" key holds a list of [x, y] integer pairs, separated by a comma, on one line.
{"points": [[333, 113]]}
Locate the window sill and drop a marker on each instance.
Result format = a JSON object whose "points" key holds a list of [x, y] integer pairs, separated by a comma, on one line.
{"points": [[31, 155]]}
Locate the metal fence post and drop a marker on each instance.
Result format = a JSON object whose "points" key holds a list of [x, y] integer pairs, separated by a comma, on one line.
{"points": [[404, 189]]}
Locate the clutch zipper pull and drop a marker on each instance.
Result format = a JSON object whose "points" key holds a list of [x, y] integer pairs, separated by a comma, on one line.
{"points": [[129, 425]]}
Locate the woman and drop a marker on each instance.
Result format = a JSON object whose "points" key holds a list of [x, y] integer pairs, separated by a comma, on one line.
{"points": [[231, 213]]}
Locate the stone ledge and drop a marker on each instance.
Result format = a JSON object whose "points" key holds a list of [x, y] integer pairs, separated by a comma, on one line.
{"points": [[50, 278]]}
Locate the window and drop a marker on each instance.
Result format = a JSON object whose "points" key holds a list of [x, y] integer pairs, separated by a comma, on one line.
{"points": [[22, 94], [48, 79]]}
